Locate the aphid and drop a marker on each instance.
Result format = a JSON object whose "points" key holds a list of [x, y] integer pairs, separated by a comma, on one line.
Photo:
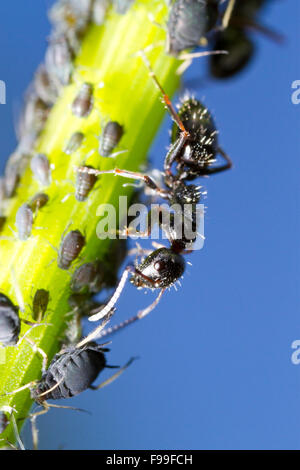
{"points": [[38, 201], [33, 117], [84, 184], [40, 304], [122, 6], [10, 324], [24, 222], [58, 59], [72, 371], [40, 167], [189, 21], [70, 248], [3, 421], [70, 15], [110, 137], [84, 101], [88, 277], [45, 86], [74, 143]]}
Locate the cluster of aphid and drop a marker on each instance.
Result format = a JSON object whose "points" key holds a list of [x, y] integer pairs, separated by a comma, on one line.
{"points": [[193, 153]]}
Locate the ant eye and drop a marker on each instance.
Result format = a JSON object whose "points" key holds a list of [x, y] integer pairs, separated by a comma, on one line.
{"points": [[159, 265]]}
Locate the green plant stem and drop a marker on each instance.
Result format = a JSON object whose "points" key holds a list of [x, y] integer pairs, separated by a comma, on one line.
{"points": [[129, 96]]}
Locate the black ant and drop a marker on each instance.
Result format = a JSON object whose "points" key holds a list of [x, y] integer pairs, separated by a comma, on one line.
{"points": [[236, 40], [196, 139]]}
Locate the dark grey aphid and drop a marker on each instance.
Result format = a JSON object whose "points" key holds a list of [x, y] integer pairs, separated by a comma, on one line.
{"points": [[38, 201], [3, 421], [40, 304], [58, 59], [110, 137], [84, 101], [70, 248], [188, 22], [74, 143], [84, 184], [40, 167], [24, 222], [122, 6], [10, 324], [45, 86], [73, 371], [88, 278]]}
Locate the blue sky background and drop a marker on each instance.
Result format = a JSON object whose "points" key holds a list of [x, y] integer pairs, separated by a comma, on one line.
{"points": [[215, 368]]}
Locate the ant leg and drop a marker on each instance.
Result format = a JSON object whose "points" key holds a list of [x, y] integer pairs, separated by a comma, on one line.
{"points": [[166, 98], [127, 174], [114, 376], [174, 151], [188, 58], [228, 13], [227, 166], [30, 385], [98, 314], [141, 314]]}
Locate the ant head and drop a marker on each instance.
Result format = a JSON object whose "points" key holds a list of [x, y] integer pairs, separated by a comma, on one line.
{"points": [[160, 269]]}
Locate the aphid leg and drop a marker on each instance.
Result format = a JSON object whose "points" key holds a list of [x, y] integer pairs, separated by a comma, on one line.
{"points": [[228, 13], [29, 385], [16, 431], [114, 376], [165, 97], [141, 314], [127, 174], [36, 349], [188, 59], [224, 167]]}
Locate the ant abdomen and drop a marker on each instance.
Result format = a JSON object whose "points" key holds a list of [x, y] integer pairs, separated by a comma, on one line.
{"points": [[160, 269]]}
